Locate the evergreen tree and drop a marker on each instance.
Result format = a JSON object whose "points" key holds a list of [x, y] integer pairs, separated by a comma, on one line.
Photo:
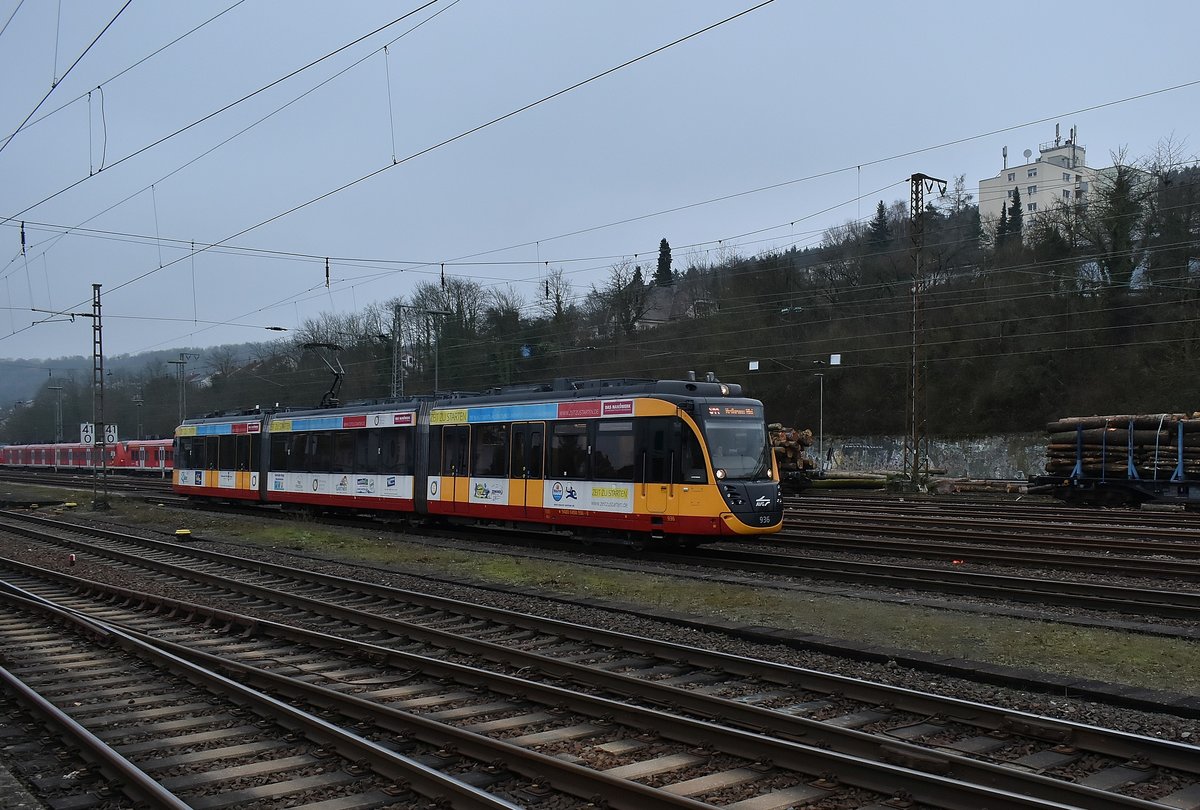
{"points": [[662, 274], [879, 233], [1002, 226], [1015, 216], [1115, 228]]}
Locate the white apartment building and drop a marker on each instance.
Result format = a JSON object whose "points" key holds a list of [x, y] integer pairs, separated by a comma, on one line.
{"points": [[1060, 174]]}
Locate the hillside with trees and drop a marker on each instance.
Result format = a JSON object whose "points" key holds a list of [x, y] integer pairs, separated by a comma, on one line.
{"points": [[1076, 310]]}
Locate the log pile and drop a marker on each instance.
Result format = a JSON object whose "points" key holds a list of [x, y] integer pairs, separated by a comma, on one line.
{"points": [[1106, 445], [789, 445]]}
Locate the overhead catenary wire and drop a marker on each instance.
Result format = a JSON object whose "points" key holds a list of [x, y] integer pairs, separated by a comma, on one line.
{"points": [[441, 144], [650, 342], [1141, 95], [115, 76], [774, 186], [882, 315], [58, 80], [245, 129], [415, 265], [16, 8], [217, 112], [568, 259]]}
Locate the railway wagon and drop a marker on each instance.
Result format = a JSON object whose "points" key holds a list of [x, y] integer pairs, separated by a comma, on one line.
{"points": [[674, 461], [140, 455], [1128, 459]]}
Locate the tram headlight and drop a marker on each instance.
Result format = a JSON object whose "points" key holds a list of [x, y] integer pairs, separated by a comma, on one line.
{"points": [[724, 390], [720, 475]]}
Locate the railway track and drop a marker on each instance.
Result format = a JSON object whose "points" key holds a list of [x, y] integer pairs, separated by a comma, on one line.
{"points": [[1180, 540], [957, 544], [949, 577], [583, 695], [1162, 565], [822, 519], [1134, 600], [174, 733], [117, 482], [962, 507]]}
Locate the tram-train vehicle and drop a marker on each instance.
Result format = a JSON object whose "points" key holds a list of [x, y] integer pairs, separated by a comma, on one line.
{"points": [[139, 455], [636, 461]]}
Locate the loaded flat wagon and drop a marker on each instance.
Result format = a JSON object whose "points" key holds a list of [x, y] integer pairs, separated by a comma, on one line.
{"points": [[1125, 459]]}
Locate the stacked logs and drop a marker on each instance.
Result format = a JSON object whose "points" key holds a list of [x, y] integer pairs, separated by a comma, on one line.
{"points": [[1106, 450], [789, 445]]}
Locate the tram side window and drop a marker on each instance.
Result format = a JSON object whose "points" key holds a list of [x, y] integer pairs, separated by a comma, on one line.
{"points": [[241, 452], [526, 451], [434, 459], [226, 452], [256, 442], [613, 456], [454, 450], [279, 451], [397, 452], [568, 450], [366, 451], [692, 458], [536, 454], [343, 450], [297, 452], [490, 452], [659, 454], [210, 452], [320, 452]]}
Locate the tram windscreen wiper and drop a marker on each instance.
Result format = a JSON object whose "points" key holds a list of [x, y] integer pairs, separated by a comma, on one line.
{"points": [[764, 467]]}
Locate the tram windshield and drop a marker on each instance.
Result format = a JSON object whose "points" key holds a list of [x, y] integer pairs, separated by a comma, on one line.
{"points": [[739, 447]]}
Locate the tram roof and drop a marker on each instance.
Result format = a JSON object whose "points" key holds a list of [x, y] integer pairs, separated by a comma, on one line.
{"points": [[559, 389]]}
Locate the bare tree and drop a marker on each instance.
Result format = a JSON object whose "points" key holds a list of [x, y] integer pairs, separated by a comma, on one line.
{"points": [[622, 301], [1172, 212], [223, 361], [558, 296]]}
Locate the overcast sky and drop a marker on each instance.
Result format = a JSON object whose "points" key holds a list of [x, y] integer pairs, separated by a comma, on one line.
{"points": [[757, 134]]}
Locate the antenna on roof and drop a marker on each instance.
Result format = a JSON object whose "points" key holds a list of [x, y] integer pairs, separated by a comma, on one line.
{"points": [[1004, 152]]}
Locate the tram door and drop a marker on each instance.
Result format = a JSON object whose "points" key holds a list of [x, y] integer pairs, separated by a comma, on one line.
{"points": [[659, 460], [528, 440], [456, 442]]}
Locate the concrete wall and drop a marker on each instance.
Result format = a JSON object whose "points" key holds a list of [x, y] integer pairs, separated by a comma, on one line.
{"points": [[1008, 457]]}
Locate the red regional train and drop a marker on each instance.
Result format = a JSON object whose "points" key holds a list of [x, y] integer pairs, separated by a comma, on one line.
{"points": [[148, 455], [637, 461]]}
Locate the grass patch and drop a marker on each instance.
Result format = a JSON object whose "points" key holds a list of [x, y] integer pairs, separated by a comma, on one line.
{"points": [[18, 494], [1108, 655], [1096, 653]]}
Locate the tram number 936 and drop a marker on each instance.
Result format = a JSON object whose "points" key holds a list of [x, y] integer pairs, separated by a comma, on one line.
{"points": [[764, 520]]}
